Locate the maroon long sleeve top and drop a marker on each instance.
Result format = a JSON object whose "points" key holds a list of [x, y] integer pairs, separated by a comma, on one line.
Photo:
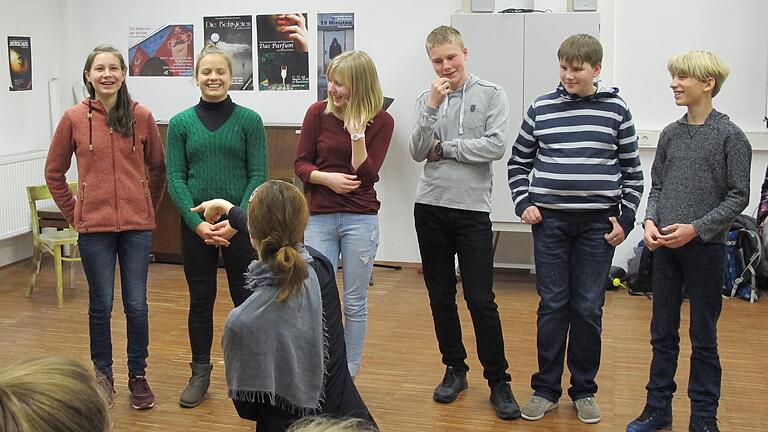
{"points": [[326, 146]]}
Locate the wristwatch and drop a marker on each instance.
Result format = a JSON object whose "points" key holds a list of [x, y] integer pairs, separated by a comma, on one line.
{"points": [[357, 136], [439, 149]]}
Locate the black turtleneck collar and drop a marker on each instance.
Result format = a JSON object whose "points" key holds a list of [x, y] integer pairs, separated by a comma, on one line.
{"points": [[214, 114]]}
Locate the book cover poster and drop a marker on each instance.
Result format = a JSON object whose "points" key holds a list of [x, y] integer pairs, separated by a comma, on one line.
{"points": [[20, 62], [164, 51], [335, 35], [283, 51], [233, 34]]}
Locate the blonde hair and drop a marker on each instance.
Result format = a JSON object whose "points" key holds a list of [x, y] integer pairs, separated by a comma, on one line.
{"points": [[444, 35], [327, 424], [277, 218], [581, 48], [356, 71], [211, 49], [51, 394], [701, 65]]}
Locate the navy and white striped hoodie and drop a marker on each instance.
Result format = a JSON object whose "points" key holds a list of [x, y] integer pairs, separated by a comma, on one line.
{"points": [[580, 154]]}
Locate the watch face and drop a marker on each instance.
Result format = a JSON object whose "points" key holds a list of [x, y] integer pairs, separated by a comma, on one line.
{"points": [[356, 137]]}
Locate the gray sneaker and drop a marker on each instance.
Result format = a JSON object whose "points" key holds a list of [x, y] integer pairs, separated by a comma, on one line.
{"points": [[587, 410], [536, 408]]}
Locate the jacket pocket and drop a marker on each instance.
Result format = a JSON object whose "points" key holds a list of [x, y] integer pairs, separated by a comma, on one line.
{"points": [[80, 204], [147, 199]]}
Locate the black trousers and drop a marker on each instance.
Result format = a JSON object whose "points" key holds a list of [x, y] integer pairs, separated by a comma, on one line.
{"points": [[443, 233], [200, 266]]}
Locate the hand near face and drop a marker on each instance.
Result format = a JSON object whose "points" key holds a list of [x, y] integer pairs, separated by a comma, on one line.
{"points": [[440, 88], [296, 31]]}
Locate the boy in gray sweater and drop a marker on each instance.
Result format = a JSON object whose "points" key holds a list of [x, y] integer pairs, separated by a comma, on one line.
{"points": [[700, 183], [461, 128]]}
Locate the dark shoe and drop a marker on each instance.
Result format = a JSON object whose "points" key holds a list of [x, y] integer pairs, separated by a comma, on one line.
{"points": [[141, 395], [106, 388], [703, 424], [197, 387], [504, 401], [454, 382], [652, 419]]}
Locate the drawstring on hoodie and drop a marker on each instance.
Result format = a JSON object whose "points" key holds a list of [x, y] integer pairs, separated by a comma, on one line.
{"points": [[444, 108], [90, 129]]}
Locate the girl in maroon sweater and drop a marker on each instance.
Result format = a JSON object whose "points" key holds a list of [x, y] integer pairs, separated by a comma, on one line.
{"points": [[343, 142]]}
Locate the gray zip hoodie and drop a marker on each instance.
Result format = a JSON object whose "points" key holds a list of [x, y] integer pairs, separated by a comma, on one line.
{"points": [[472, 124], [700, 176]]}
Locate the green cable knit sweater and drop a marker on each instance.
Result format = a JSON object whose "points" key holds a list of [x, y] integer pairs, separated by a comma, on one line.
{"points": [[228, 163]]}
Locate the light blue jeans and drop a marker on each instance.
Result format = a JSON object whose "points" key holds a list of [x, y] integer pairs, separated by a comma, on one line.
{"points": [[356, 237]]}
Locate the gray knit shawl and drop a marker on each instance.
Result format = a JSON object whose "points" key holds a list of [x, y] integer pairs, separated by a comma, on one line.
{"points": [[276, 353]]}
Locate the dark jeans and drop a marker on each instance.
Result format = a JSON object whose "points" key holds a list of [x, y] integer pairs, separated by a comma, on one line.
{"points": [[698, 266], [200, 266], [572, 262], [442, 233], [99, 251]]}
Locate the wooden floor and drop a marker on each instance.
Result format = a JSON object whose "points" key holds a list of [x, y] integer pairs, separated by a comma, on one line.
{"points": [[401, 364]]}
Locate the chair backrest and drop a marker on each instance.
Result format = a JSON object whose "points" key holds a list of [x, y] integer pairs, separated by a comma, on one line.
{"points": [[37, 193]]}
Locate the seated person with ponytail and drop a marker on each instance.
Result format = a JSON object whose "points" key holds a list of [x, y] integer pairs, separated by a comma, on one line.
{"points": [[299, 367]]}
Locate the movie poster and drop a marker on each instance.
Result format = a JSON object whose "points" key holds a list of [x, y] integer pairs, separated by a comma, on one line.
{"points": [[283, 51], [20, 62], [233, 34], [335, 35], [165, 51]]}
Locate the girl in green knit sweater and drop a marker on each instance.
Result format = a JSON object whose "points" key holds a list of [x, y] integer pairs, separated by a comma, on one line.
{"points": [[216, 149]]}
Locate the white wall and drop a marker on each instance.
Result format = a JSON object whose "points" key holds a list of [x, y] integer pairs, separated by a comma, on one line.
{"points": [[638, 37], [24, 115]]}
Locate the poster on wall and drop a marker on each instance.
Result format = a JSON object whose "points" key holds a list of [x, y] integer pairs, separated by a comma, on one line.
{"points": [[283, 51], [233, 34], [164, 51], [20, 62], [335, 35]]}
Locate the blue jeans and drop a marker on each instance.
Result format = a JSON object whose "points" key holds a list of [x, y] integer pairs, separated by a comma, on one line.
{"points": [[698, 266], [99, 252], [356, 237], [572, 263]]}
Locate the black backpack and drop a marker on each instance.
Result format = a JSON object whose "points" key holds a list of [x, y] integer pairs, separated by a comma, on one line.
{"points": [[746, 263], [639, 271]]}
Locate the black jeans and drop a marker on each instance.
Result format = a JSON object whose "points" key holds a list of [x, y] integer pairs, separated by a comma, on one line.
{"points": [[200, 264], [698, 266], [572, 263], [442, 233]]}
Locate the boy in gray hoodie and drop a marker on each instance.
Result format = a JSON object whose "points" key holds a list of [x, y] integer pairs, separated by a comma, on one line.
{"points": [[700, 183], [461, 128]]}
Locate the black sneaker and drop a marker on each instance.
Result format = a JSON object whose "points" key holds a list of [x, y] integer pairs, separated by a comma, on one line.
{"points": [[504, 401], [652, 419], [703, 424], [454, 382]]}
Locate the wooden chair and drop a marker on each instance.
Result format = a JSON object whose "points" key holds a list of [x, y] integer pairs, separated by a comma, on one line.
{"points": [[51, 242]]}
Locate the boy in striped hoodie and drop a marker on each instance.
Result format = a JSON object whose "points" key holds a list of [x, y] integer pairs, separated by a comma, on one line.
{"points": [[575, 177]]}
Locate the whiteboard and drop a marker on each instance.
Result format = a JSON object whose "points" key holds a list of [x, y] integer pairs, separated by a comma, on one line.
{"points": [[518, 52]]}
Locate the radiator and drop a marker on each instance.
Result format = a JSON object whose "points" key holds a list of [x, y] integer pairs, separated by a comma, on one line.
{"points": [[16, 172]]}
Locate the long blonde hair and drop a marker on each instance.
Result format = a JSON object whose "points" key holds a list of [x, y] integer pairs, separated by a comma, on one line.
{"points": [[51, 394], [277, 218], [356, 71]]}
